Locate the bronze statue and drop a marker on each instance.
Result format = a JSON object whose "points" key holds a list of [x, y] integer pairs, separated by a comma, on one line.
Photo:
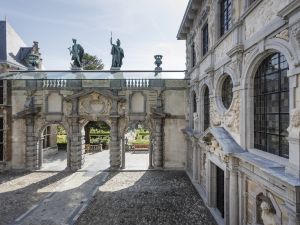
{"points": [[77, 52], [117, 54]]}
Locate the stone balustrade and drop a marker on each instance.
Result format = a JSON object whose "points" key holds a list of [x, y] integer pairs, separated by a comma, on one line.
{"points": [[137, 83], [58, 83]]}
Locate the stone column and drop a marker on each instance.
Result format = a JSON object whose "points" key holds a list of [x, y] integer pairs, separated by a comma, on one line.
{"points": [[31, 145], [115, 156], [158, 147], [123, 152], [234, 198], [76, 139], [151, 153], [195, 167]]}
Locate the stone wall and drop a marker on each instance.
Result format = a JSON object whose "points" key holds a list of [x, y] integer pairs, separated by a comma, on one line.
{"points": [[264, 183]]}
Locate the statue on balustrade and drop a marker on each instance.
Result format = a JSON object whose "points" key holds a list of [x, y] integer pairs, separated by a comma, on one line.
{"points": [[77, 52], [117, 55]]}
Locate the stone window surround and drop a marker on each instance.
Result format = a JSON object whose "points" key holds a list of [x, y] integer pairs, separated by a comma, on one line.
{"points": [[248, 141], [201, 38], [218, 94], [193, 93], [201, 102]]}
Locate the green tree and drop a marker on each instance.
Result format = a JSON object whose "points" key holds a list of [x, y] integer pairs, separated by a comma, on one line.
{"points": [[90, 62]]}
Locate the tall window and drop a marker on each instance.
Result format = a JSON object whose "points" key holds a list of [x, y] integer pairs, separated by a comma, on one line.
{"points": [[205, 39], [206, 108], [1, 92], [227, 93], [194, 102], [1, 139], [271, 106], [226, 9], [193, 55]]}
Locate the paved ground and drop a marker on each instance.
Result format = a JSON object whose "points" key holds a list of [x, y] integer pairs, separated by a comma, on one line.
{"points": [[138, 160], [51, 197], [144, 198], [20, 191]]}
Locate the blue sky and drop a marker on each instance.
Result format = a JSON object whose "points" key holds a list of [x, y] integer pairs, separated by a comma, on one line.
{"points": [[145, 28]]}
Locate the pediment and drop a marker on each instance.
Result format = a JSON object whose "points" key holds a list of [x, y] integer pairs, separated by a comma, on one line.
{"points": [[219, 139]]}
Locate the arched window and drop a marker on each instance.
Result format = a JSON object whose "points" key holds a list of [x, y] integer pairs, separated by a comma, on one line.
{"points": [[271, 106], [194, 102], [227, 92], [206, 108]]}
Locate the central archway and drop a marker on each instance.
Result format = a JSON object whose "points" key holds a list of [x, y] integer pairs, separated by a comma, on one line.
{"points": [[97, 143]]}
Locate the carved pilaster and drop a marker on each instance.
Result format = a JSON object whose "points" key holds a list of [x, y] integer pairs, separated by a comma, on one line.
{"points": [[158, 144], [31, 149], [115, 152]]}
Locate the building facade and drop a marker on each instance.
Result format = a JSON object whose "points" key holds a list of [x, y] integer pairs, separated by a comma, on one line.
{"points": [[243, 140]]}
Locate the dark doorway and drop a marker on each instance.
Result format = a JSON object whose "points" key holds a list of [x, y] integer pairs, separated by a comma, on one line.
{"points": [[220, 190]]}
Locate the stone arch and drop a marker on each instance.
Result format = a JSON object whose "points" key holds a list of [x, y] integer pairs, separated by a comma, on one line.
{"points": [[258, 54], [39, 143]]}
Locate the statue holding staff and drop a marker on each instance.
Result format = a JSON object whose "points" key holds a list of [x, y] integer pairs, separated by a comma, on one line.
{"points": [[77, 52], [117, 54]]}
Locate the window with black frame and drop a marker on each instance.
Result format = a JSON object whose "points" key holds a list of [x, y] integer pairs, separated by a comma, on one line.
{"points": [[193, 55], [227, 92], [206, 108], [225, 19], [194, 102], [1, 139], [271, 106], [205, 39]]}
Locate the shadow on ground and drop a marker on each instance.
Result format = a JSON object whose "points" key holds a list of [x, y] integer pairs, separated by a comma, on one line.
{"points": [[142, 198]]}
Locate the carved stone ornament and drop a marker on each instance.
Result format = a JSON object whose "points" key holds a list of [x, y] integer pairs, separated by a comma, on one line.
{"points": [[215, 116], [217, 150], [294, 127], [296, 34], [268, 216], [94, 104], [232, 117], [283, 35], [67, 108]]}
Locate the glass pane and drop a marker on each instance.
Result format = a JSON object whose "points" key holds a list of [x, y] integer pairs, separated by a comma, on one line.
{"points": [[273, 144], [285, 121], [284, 147], [272, 83], [284, 102], [273, 124], [272, 103]]}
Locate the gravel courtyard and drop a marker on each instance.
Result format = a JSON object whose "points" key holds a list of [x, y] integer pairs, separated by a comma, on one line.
{"points": [[150, 197]]}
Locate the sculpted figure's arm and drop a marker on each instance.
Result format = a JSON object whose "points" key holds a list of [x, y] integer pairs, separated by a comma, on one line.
{"points": [[111, 41]]}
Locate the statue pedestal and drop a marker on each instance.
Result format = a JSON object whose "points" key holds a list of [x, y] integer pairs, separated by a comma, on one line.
{"points": [[75, 68], [116, 73]]}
